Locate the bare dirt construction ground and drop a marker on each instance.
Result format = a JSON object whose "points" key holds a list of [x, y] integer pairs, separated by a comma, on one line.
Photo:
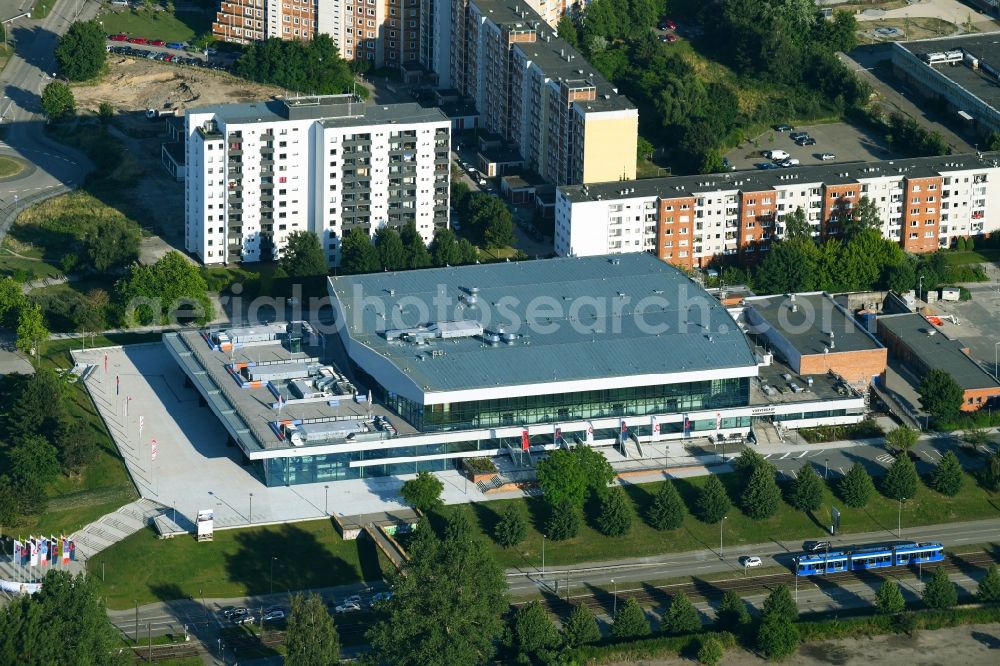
{"points": [[968, 645], [136, 85]]}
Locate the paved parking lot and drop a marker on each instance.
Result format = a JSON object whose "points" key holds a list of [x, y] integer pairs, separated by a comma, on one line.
{"points": [[847, 142], [980, 322]]}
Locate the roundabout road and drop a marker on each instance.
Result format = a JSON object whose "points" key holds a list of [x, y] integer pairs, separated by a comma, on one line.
{"points": [[53, 168]]}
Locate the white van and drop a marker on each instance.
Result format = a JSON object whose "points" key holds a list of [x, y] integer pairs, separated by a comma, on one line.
{"points": [[776, 155]]}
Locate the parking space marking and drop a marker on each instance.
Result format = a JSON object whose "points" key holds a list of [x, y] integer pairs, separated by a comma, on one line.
{"points": [[803, 454], [841, 470], [885, 459], [785, 456]]}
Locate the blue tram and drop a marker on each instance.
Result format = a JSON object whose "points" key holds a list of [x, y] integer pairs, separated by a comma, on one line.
{"points": [[873, 556]]}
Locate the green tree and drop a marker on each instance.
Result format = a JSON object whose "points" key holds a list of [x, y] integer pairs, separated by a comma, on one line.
{"points": [[423, 492], [947, 477], [467, 252], [864, 216], [796, 224], [460, 194], [512, 528], [81, 53], [65, 622], [572, 474], [681, 616], [94, 317], [667, 509], [563, 520], [357, 254], [857, 487], [12, 299], [807, 490], [940, 592], [113, 244], [34, 462], [791, 266], [444, 248], [989, 586], [391, 252], [315, 65], [710, 651], [940, 395], [616, 514], [778, 638], [889, 599], [566, 30], [9, 515], [31, 329], [39, 408], [581, 627], [58, 100], [490, 220], [303, 255], [168, 291], [311, 638], [732, 613], [713, 503], [900, 277], [76, 446], [902, 438], [779, 603], [532, 633], [447, 602], [630, 621], [762, 497], [499, 232], [748, 462], [417, 255], [900, 481]]}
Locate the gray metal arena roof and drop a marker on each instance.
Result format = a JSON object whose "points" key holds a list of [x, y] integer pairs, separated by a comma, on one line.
{"points": [[574, 319]]}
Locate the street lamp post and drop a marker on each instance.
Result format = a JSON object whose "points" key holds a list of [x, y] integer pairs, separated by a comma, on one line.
{"points": [[272, 574], [137, 621], [920, 288], [614, 608], [899, 519], [721, 523], [826, 470], [250, 516], [543, 557], [996, 361], [326, 498]]}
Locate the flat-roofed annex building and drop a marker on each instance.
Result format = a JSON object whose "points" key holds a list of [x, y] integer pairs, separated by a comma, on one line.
{"points": [[255, 173]]}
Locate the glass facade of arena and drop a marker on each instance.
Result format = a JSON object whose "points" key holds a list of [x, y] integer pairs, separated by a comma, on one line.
{"points": [[527, 410]]}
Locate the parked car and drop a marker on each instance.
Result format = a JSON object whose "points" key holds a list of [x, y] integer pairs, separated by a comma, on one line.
{"points": [[379, 598], [788, 162], [764, 166], [137, 40], [246, 619], [274, 615], [826, 157], [121, 37], [776, 155], [157, 42], [813, 546], [750, 561], [671, 24], [671, 38], [795, 136], [347, 607], [783, 128], [177, 46], [806, 141]]}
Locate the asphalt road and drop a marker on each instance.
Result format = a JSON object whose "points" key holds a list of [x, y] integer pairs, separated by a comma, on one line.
{"points": [[29, 70]]}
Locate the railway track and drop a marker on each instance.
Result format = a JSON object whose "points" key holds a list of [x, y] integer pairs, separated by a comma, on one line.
{"points": [[709, 590]]}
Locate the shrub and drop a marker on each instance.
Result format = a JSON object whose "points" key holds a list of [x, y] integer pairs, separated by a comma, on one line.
{"points": [[778, 638], [989, 586], [479, 465], [710, 652]]}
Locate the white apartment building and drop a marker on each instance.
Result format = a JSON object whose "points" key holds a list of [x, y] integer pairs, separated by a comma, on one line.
{"points": [[257, 172], [924, 204]]}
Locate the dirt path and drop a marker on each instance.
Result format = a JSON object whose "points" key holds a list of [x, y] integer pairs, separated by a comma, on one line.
{"points": [[967, 645]]}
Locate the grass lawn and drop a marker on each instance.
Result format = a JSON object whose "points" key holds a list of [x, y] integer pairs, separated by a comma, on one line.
{"points": [[42, 8], [9, 167], [26, 269], [590, 546], [310, 555], [183, 27], [960, 257]]}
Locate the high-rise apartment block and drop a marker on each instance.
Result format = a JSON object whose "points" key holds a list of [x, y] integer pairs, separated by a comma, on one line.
{"points": [[257, 172], [540, 95], [924, 203]]}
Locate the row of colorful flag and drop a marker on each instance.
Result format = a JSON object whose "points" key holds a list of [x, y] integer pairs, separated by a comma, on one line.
{"points": [[43, 552]]}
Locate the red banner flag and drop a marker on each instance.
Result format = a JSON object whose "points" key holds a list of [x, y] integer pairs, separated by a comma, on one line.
{"points": [[524, 440]]}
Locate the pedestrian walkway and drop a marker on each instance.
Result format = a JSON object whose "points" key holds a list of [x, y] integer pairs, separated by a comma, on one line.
{"points": [[113, 527]]}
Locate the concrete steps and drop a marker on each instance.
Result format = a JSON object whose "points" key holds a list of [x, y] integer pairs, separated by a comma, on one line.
{"points": [[113, 527]]}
